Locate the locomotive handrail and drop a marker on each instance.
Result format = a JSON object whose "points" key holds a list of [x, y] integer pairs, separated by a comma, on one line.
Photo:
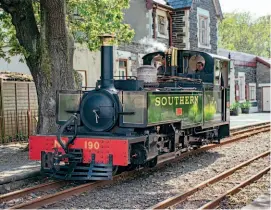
{"points": [[126, 113]]}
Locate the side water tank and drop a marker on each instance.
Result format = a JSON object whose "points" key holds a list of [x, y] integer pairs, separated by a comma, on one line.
{"points": [[147, 73]]}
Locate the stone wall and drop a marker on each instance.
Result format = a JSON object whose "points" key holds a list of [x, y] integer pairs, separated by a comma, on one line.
{"points": [[193, 20], [263, 73], [250, 77], [135, 50], [133, 47], [164, 41], [178, 29], [250, 73]]}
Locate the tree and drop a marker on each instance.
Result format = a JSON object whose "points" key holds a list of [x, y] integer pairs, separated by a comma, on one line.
{"points": [[44, 32], [242, 32]]}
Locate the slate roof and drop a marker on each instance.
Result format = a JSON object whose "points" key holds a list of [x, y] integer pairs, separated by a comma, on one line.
{"points": [[240, 57], [235, 55], [179, 4]]}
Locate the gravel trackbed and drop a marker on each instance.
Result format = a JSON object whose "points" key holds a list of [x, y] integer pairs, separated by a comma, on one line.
{"points": [[153, 187]]}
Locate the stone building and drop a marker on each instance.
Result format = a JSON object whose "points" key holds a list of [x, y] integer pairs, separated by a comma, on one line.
{"points": [[251, 79], [158, 24], [150, 20], [195, 24]]}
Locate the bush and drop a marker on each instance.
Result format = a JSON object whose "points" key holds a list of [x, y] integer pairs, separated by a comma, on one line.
{"points": [[246, 105], [234, 106]]}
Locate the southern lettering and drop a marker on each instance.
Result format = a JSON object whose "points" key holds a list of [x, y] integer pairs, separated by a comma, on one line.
{"points": [[175, 100]]}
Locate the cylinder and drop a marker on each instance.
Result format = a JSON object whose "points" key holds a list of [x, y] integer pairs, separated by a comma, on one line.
{"points": [[107, 65]]}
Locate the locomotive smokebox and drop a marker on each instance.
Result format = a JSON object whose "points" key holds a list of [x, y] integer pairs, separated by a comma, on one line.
{"points": [[107, 66]]}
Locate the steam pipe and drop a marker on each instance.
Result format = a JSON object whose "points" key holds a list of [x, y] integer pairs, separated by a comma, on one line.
{"points": [[62, 144], [107, 64], [154, 22]]}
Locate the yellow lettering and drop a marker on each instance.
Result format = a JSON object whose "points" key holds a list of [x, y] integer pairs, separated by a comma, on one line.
{"points": [[170, 102], [157, 101], [90, 145], [191, 99], [181, 100], [164, 101], [96, 145], [196, 99], [186, 99], [176, 100]]}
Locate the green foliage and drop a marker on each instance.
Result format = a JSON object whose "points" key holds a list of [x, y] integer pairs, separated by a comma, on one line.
{"points": [[8, 40], [93, 18], [97, 17], [246, 105], [234, 106], [242, 32]]}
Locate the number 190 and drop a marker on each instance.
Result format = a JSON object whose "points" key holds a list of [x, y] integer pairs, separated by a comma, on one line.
{"points": [[90, 145]]}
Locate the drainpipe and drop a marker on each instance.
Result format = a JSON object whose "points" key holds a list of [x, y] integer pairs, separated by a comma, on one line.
{"points": [[154, 22], [170, 28]]}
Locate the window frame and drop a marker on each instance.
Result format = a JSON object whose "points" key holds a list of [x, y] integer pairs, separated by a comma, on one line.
{"points": [[242, 87], [203, 14], [83, 73], [123, 69], [165, 32], [203, 40], [164, 25], [250, 86]]}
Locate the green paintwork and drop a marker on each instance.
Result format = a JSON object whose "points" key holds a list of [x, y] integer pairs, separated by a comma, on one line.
{"points": [[165, 111]]}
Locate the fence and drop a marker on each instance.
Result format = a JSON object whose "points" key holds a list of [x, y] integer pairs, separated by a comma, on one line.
{"points": [[18, 110], [18, 125]]}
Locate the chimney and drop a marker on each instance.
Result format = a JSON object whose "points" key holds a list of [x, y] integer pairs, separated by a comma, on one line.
{"points": [[107, 64]]}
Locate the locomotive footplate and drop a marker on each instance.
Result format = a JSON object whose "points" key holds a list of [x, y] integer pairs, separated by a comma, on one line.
{"points": [[74, 169]]}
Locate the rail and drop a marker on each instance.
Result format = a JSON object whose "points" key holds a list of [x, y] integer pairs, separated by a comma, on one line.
{"points": [[182, 197]]}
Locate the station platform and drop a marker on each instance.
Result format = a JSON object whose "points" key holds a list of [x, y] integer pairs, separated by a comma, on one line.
{"points": [[261, 203], [249, 119]]}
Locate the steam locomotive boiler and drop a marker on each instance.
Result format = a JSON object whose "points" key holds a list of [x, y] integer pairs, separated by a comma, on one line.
{"points": [[179, 101]]}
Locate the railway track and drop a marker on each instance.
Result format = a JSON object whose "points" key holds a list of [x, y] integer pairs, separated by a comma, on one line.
{"points": [[235, 132], [174, 201], [162, 161]]}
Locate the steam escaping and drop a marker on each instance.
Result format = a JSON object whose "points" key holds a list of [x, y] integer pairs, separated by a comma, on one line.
{"points": [[152, 45]]}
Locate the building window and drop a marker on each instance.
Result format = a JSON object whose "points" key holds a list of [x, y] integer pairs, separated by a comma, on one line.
{"points": [[161, 24], [203, 18], [122, 69], [252, 91], [203, 30], [242, 86]]}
